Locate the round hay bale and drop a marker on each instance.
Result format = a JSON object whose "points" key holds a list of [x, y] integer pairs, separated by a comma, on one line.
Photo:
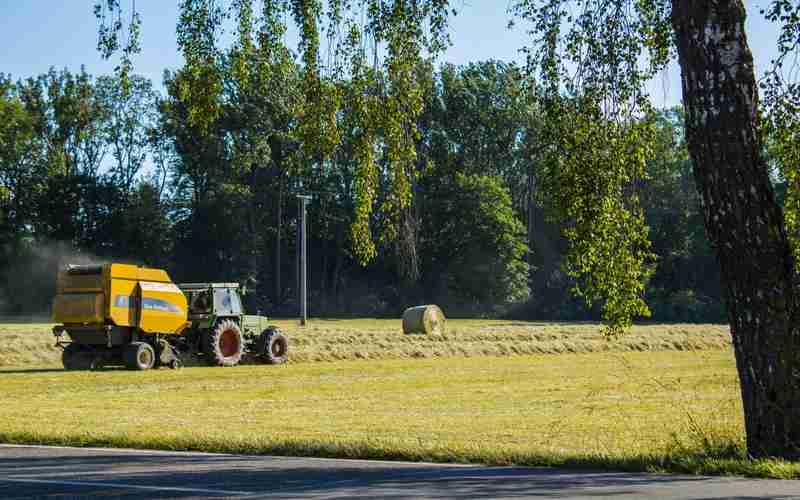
{"points": [[427, 320]]}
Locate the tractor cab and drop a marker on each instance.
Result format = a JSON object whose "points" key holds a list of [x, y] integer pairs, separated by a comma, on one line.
{"points": [[209, 301]]}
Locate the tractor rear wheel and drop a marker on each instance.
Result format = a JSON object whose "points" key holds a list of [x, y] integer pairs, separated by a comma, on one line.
{"points": [[273, 346], [139, 356], [224, 345]]}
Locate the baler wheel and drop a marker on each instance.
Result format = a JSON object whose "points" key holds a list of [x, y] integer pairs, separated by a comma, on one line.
{"points": [[139, 356], [224, 345], [77, 357]]}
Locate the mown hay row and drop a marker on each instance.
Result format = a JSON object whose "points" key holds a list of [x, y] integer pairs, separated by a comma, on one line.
{"points": [[336, 352]]}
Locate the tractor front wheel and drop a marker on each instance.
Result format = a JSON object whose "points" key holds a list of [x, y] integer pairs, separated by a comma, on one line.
{"points": [[224, 345], [273, 346]]}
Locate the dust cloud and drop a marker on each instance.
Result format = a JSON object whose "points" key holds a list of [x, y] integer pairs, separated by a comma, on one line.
{"points": [[29, 281]]}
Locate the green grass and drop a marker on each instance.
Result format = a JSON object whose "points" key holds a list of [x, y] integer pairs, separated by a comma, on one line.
{"points": [[640, 411], [336, 340], [663, 398]]}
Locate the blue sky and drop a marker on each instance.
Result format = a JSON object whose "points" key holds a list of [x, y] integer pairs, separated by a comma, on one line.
{"points": [[38, 34]]}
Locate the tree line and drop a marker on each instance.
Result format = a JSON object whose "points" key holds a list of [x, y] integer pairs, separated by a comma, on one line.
{"points": [[123, 174]]}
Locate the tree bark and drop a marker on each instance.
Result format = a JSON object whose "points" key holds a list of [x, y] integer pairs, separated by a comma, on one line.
{"points": [[337, 267], [324, 246], [743, 220], [254, 229], [531, 228], [278, 228], [406, 245]]}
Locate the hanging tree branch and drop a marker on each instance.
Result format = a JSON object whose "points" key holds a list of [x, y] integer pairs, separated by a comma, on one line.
{"points": [[589, 55], [410, 29], [114, 32], [781, 86]]}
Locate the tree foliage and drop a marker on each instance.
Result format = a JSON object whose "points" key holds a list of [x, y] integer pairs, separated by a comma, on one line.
{"points": [[210, 204], [685, 285], [590, 172], [782, 117], [589, 56], [363, 98], [478, 242], [407, 30]]}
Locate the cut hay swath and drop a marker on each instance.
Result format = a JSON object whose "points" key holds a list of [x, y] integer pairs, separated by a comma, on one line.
{"points": [[427, 320]]}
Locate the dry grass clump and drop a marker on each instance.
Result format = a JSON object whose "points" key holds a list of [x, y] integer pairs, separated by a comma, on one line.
{"points": [[31, 344], [27, 344]]}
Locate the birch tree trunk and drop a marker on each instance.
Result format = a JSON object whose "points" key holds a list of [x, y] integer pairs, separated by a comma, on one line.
{"points": [[743, 220]]}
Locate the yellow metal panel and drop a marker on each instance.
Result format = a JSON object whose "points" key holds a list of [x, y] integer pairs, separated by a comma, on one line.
{"points": [[122, 302], [155, 275], [123, 271], [163, 308], [129, 272], [124, 295], [84, 308]]}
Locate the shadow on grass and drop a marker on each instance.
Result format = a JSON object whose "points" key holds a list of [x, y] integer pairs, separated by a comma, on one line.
{"points": [[17, 371], [23, 371]]}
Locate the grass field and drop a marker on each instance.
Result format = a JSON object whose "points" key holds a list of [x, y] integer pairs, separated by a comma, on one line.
{"points": [[675, 411], [665, 398], [335, 340]]}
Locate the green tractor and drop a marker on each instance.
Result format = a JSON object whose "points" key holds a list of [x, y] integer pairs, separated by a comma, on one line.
{"points": [[222, 334]]}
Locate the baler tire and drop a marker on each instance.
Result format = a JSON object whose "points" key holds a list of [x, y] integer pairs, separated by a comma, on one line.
{"points": [[273, 346], [71, 357], [139, 356], [224, 344]]}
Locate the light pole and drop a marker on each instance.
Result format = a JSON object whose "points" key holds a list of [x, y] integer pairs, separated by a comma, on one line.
{"points": [[302, 203]]}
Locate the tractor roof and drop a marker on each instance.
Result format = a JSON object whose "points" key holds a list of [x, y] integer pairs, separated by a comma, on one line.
{"points": [[206, 286]]}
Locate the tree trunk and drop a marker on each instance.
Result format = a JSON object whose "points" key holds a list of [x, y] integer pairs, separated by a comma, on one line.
{"points": [[531, 226], [278, 227], [743, 221], [406, 245], [531, 191], [337, 267], [254, 229], [324, 247]]}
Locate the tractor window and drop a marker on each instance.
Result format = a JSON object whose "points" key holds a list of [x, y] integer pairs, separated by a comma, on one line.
{"points": [[226, 302], [236, 302], [200, 302]]}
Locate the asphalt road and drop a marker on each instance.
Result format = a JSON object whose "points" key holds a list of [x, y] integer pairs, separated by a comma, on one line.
{"points": [[52, 472]]}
